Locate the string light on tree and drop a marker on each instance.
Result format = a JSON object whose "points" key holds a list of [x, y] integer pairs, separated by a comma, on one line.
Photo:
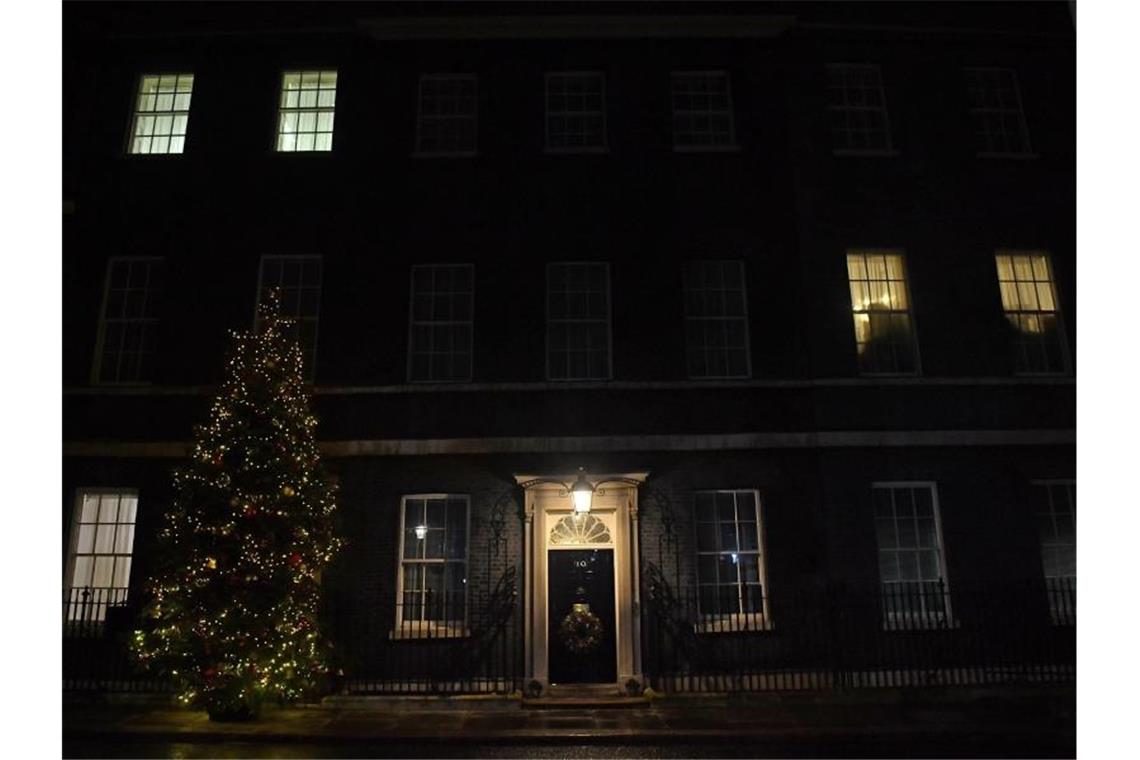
{"points": [[231, 614]]}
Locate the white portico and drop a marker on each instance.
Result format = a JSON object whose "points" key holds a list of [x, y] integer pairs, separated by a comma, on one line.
{"points": [[603, 529]]}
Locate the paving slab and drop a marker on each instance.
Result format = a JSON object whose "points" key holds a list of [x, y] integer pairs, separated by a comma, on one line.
{"points": [[1048, 717]]}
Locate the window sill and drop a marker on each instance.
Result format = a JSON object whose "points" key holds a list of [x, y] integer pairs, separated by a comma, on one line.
{"points": [[920, 623], [879, 375], [1058, 373], [122, 384], [145, 156], [1011, 156], [446, 154], [459, 381], [735, 624], [574, 151], [846, 153], [428, 632], [706, 148]]}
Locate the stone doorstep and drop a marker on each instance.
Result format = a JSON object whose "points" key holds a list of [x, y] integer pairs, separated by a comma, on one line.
{"points": [[584, 703]]}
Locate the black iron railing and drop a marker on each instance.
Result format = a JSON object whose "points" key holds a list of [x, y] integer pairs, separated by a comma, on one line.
{"points": [[442, 642], [835, 637], [820, 638], [97, 625]]}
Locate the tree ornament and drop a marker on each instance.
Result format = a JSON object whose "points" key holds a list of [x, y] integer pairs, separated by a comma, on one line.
{"points": [[287, 491], [294, 560]]}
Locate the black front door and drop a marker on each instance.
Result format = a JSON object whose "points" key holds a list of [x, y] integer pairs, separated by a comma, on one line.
{"points": [[581, 586]]}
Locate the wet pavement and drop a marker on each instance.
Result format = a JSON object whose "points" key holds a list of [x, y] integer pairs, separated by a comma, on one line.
{"points": [[884, 724]]}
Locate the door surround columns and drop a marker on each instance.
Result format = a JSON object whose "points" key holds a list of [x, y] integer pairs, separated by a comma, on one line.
{"points": [[615, 504]]}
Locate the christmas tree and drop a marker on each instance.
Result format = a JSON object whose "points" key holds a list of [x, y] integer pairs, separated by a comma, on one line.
{"points": [[231, 613]]}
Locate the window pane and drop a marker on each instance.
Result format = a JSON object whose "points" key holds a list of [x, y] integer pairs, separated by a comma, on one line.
{"points": [[101, 578], [728, 551], [578, 321], [858, 109], [716, 320], [884, 338], [441, 323], [702, 111], [122, 573], [81, 576], [124, 539], [158, 110], [306, 111], [297, 280], [575, 111], [86, 541], [104, 539]]}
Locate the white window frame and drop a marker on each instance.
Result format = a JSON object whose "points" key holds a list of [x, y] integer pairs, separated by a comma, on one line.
{"points": [[1066, 361], [419, 151], [173, 112], [547, 113], [413, 322], [908, 311], [310, 363], [101, 333], [744, 319], [609, 323], [431, 629], [96, 609], [298, 110], [887, 151], [732, 145], [738, 621], [1020, 112], [1058, 615], [906, 620]]}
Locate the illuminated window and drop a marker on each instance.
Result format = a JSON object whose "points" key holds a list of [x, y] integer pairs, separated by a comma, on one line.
{"points": [[432, 599], [298, 280], [578, 321], [448, 115], [912, 570], [575, 112], [880, 304], [162, 110], [730, 560], [702, 111], [858, 107], [716, 320], [995, 108], [128, 324], [1057, 528], [441, 323], [305, 118], [102, 539], [1029, 298]]}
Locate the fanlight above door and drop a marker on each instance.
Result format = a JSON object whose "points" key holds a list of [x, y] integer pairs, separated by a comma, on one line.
{"points": [[579, 529]]}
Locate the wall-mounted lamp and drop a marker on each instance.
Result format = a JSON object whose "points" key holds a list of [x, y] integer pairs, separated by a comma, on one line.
{"points": [[421, 532], [582, 492]]}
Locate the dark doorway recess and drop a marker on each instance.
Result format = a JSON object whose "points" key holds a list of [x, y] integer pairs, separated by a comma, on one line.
{"points": [[583, 577]]}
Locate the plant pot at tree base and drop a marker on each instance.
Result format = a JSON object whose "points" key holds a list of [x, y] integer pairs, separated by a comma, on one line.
{"points": [[224, 706]]}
